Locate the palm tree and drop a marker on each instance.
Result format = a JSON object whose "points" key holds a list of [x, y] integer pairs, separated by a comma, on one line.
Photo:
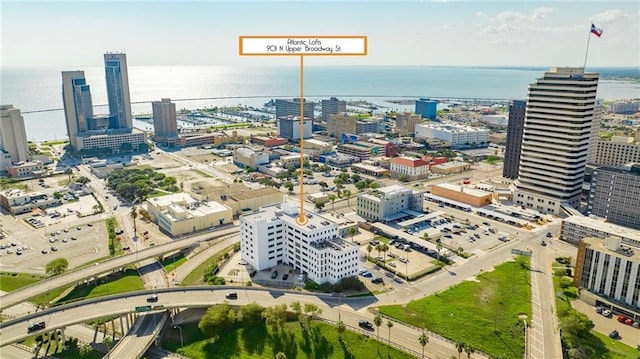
{"points": [[352, 232], [377, 320], [460, 347], [389, 325], [379, 248], [425, 236], [281, 355], [347, 194], [439, 248], [134, 215], [385, 248], [469, 350], [340, 328], [369, 249], [423, 339], [332, 198]]}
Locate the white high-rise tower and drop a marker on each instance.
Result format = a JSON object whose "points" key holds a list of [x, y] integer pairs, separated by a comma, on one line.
{"points": [[557, 127]]}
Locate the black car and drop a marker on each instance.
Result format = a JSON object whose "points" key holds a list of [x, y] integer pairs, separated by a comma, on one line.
{"points": [[377, 280], [36, 326], [285, 276], [274, 274], [152, 298], [231, 295], [543, 243], [365, 324], [613, 334]]}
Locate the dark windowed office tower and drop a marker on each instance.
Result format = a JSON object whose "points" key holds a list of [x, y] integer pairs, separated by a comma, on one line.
{"points": [[615, 194], [76, 98], [115, 65], [514, 139], [332, 106], [292, 108]]}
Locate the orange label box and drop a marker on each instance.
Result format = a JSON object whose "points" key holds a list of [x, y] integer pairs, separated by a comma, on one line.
{"points": [[303, 45]]}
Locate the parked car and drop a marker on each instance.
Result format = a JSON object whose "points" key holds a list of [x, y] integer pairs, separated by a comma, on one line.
{"points": [[543, 243], [549, 235], [622, 318], [285, 276], [274, 274], [377, 280], [606, 312], [613, 334]]}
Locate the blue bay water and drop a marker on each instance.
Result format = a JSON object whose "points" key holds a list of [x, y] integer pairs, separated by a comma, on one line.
{"points": [[40, 89]]}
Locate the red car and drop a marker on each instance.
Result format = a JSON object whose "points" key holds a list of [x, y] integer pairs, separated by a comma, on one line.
{"points": [[628, 321], [622, 318]]}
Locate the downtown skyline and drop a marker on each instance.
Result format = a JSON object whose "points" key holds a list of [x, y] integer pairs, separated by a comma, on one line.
{"points": [[437, 33]]}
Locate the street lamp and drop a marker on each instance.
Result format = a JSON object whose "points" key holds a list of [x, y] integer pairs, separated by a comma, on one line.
{"points": [[180, 329]]}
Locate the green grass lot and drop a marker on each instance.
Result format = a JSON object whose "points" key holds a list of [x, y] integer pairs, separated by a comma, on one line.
{"points": [[601, 345], [114, 283], [483, 314], [171, 263], [53, 349], [262, 342], [196, 277], [12, 281]]}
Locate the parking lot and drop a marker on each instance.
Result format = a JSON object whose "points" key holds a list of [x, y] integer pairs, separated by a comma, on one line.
{"points": [[79, 245]]}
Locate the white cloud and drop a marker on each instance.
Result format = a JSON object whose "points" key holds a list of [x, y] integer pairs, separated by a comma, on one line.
{"points": [[512, 21], [615, 16], [481, 14]]}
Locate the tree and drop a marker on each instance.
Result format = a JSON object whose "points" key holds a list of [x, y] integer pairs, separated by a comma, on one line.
{"points": [[107, 341], [84, 349], [389, 325], [217, 320], [374, 185], [68, 171], [289, 186], [352, 232], [379, 248], [369, 249], [311, 310], [319, 206], [403, 178], [134, 215], [83, 180], [281, 355], [460, 348], [355, 178], [251, 315], [340, 328], [576, 324], [469, 350], [57, 266], [347, 194], [332, 198], [276, 315], [361, 185], [423, 339], [385, 248], [425, 236], [57, 195], [439, 248], [377, 320]]}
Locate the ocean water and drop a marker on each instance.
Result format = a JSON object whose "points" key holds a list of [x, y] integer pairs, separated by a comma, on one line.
{"points": [[194, 87]]}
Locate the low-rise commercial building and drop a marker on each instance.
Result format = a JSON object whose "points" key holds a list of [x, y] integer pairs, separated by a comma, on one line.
{"points": [[389, 203], [317, 147], [271, 236], [609, 269], [414, 168], [237, 196], [27, 170], [292, 160], [179, 213], [199, 138], [451, 167], [361, 150], [269, 141], [459, 136], [575, 228], [461, 193], [246, 157], [17, 201], [368, 169], [120, 140]]}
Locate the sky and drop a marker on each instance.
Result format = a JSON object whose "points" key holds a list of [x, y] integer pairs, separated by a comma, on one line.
{"points": [[418, 33]]}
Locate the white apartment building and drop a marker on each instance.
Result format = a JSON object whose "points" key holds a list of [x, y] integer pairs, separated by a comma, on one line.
{"points": [[608, 269], [415, 168], [558, 118], [389, 203], [271, 236], [113, 139], [575, 228], [458, 135]]}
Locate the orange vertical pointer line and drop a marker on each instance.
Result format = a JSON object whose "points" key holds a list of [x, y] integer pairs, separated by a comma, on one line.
{"points": [[302, 219]]}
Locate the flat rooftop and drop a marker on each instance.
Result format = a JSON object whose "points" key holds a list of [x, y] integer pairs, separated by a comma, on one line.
{"points": [[601, 225], [472, 191], [624, 251]]}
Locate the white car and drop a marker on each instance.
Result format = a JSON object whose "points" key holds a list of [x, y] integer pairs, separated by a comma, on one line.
{"points": [[606, 312]]}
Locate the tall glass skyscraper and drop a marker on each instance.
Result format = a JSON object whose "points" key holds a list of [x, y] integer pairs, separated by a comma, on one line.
{"points": [[118, 90], [76, 98], [557, 126]]}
